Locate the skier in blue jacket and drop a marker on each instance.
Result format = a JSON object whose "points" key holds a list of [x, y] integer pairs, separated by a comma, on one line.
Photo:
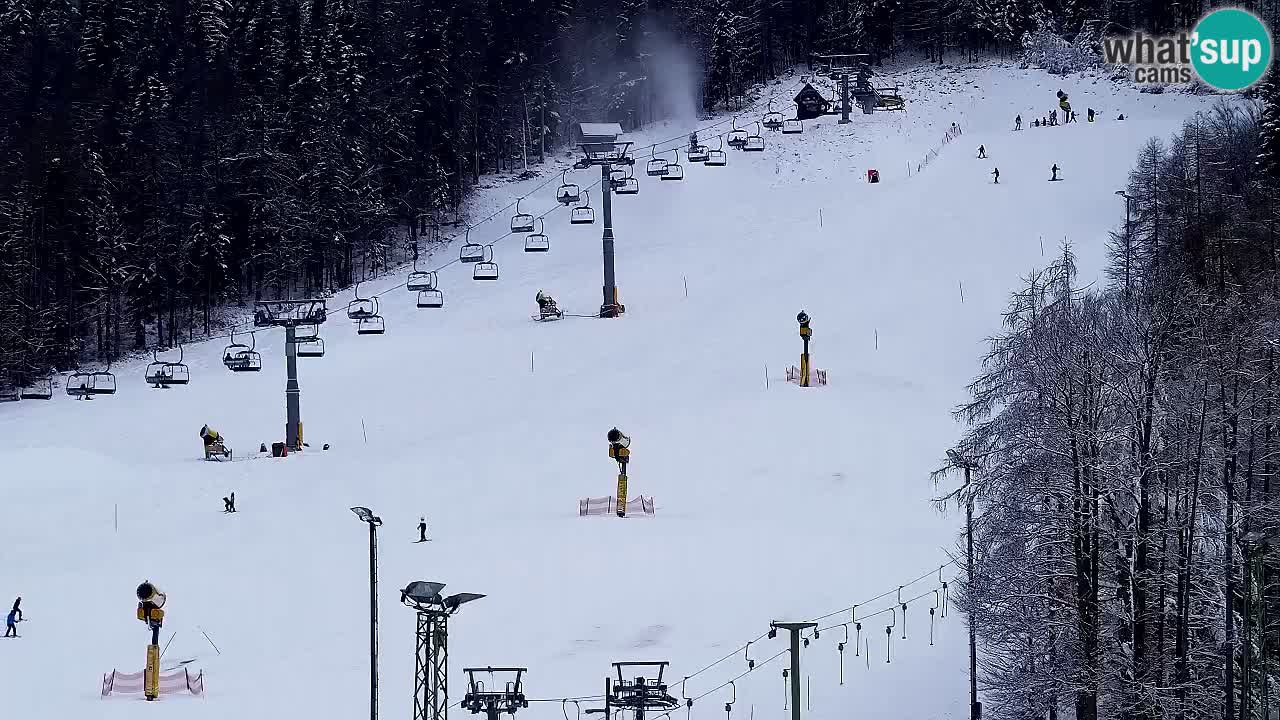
{"points": [[14, 617]]}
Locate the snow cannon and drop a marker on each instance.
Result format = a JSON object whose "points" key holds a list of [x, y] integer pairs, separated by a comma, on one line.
{"points": [[150, 602], [618, 450]]}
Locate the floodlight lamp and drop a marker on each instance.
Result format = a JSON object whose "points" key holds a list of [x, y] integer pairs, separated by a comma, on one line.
{"points": [[618, 439], [422, 592], [452, 602], [366, 515]]}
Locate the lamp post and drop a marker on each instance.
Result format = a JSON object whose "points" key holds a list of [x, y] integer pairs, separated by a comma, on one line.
{"points": [[618, 450], [600, 146], [373, 521], [431, 656], [1128, 230], [959, 461]]}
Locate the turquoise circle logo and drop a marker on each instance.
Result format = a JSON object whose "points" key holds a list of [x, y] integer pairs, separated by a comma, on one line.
{"points": [[1230, 49]]}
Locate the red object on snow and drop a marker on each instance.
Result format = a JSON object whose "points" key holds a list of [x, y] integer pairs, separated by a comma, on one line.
{"points": [[873, 176]]}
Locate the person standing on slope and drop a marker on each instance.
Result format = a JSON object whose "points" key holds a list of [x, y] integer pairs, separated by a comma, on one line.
{"points": [[996, 174], [1055, 172], [982, 151], [12, 620], [1017, 123], [422, 529]]}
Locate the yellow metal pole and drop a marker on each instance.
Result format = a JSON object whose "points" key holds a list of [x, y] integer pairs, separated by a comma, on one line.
{"points": [[622, 494], [151, 679]]}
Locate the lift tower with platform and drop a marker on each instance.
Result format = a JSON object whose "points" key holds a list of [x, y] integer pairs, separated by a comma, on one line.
{"points": [[289, 314]]}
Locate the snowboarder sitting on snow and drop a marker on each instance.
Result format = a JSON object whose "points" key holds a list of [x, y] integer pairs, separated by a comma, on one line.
{"points": [[214, 444], [12, 620], [546, 305]]}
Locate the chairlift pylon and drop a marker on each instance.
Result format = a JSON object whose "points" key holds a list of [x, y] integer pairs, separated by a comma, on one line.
{"points": [[486, 269], [754, 143], [583, 214], [717, 157], [361, 307], [568, 193], [470, 252], [674, 170], [538, 242], [238, 357], [521, 222]]}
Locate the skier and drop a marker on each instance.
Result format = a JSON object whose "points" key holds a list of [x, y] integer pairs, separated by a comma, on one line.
{"points": [[1035, 122], [1121, 116], [214, 443], [226, 504], [231, 502], [1055, 172], [1075, 116], [996, 174], [12, 620], [1017, 123], [1053, 117], [1090, 115], [422, 529], [982, 151]]}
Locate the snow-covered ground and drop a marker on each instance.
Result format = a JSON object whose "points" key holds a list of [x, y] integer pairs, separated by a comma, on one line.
{"points": [[773, 502]]}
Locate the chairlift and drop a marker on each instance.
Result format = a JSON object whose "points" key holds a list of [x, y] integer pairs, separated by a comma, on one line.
{"points": [[486, 269], [792, 126], [9, 392], [656, 167], [311, 347], [471, 252], [163, 373], [521, 222], [674, 170], [717, 157], [630, 186], [538, 242], [306, 332], [432, 298], [239, 357], [40, 388], [420, 280], [583, 214], [755, 143], [737, 136], [84, 385], [361, 307], [618, 176], [568, 193], [697, 153], [372, 325], [773, 119]]}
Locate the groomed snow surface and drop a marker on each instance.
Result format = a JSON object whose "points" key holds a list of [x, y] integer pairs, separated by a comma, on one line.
{"points": [[772, 502]]}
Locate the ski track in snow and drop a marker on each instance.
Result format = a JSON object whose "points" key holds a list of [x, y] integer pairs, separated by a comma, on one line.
{"points": [[775, 503]]}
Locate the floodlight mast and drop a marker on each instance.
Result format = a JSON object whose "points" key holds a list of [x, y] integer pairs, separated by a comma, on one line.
{"points": [[431, 656], [373, 521]]}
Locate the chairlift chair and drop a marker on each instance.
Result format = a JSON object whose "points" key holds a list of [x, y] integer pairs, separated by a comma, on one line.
{"points": [[372, 325], [84, 385], [538, 242], [583, 214], [674, 170], [737, 136], [361, 307], [311, 347], [239, 357], [306, 332], [755, 143], [656, 167], [420, 280], [697, 153], [792, 126], [486, 269], [630, 186], [432, 298], [37, 389], [471, 252], [521, 222], [568, 193], [163, 373], [9, 392], [717, 157], [773, 119]]}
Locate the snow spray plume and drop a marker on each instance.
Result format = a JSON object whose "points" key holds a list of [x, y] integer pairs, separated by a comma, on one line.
{"points": [[675, 78]]}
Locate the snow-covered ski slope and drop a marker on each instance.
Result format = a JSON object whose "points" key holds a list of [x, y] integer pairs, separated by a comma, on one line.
{"points": [[772, 502]]}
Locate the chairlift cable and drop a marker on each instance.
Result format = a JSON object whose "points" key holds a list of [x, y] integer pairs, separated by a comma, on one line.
{"points": [[744, 673]]}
